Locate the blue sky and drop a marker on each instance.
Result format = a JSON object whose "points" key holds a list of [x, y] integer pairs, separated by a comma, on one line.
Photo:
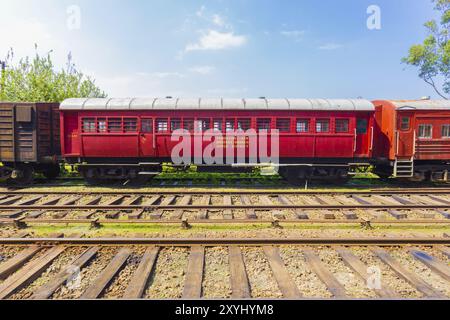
{"points": [[227, 48]]}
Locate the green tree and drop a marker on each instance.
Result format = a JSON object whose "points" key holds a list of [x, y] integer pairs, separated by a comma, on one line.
{"points": [[37, 80], [432, 57]]}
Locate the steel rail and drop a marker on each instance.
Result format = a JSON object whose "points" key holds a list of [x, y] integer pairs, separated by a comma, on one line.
{"points": [[218, 207], [224, 242], [274, 192], [226, 221]]}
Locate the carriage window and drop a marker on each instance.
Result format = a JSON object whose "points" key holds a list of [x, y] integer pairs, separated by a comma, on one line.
{"points": [[404, 125], [175, 124], [147, 125], [130, 125], [203, 124], [218, 124], [88, 125], [284, 125], [188, 124], [114, 125], [302, 125], [229, 125], [162, 125], [361, 126], [101, 125], [243, 124], [322, 125], [263, 124], [446, 131], [342, 125], [425, 131]]}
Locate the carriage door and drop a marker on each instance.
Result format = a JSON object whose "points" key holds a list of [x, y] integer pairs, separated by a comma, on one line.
{"points": [[146, 138], [362, 133], [405, 138]]}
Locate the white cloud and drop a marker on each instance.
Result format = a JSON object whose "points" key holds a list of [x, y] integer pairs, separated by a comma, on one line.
{"points": [[162, 75], [215, 40], [218, 20], [201, 11], [203, 70], [330, 46], [297, 35]]}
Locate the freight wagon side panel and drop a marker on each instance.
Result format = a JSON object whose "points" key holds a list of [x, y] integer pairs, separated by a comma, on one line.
{"points": [[6, 133], [25, 133]]}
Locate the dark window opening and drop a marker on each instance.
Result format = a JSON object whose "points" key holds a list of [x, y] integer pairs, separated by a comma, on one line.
{"points": [[130, 125], [114, 125], [342, 125], [284, 125], [188, 124], [405, 124], [361, 126], [147, 125], [263, 124], [244, 124], [175, 124]]}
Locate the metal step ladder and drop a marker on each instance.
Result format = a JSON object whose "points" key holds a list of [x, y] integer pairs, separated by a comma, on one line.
{"points": [[404, 168]]}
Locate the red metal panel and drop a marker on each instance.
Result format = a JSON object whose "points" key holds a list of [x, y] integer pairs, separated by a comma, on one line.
{"points": [[436, 147]]}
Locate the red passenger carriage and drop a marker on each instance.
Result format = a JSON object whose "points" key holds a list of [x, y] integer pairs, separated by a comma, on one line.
{"points": [[413, 141], [127, 138]]}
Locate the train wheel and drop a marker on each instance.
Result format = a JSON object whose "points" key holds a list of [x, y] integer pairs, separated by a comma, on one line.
{"points": [[292, 175], [21, 176], [52, 172]]}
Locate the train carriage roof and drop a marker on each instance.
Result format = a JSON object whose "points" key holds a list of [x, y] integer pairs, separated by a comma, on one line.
{"points": [[216, 104], [422, 105]]}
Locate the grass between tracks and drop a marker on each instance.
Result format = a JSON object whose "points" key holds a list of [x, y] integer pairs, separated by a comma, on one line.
{"points": [[129, 230]]}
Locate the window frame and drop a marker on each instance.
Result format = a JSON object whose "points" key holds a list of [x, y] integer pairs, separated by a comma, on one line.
{"points": [[266, 120], [124, 125], [326, 120], [425, 137], [288, 129], [401, 123], [161, 120], [249, 123], [442, 131], [91, 129], [119, 128], [217, 120], [175, 120], [337, 120], [306, 121], [357, 128], [150, 120]]}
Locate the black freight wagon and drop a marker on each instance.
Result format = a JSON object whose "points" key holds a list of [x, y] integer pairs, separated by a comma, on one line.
{"points": [[29, 141]]}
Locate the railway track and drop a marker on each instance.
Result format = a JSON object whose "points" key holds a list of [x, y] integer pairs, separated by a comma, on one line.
{"points": [[202, 208], [84, 268]]}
